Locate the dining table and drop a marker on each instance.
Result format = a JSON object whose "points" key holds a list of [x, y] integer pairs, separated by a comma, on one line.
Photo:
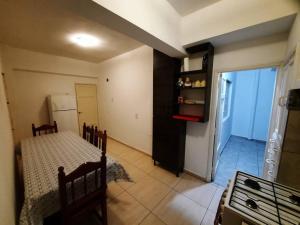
{"points": [[41, 156]]}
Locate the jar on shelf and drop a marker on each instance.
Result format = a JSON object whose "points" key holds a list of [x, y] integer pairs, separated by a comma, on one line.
{"points": [[187, 82]]}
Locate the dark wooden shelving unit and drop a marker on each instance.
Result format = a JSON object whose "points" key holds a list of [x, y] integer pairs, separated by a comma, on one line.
{"points": [[170, 116], [184, 88], [192, 72], [186, 110]]}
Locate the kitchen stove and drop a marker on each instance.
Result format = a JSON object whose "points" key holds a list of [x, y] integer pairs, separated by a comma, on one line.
{"points": [[253, 200]]}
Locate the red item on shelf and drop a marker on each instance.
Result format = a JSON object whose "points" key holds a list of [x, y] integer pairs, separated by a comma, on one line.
{"points": [[188, 118]]}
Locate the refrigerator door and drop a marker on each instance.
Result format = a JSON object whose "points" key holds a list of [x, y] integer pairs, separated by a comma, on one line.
{"points": [[62, 102], [66, 120]]}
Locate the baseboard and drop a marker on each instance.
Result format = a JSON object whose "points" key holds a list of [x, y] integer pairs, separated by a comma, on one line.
{"points": [[136, 149], [194, 175], [186, 171]]}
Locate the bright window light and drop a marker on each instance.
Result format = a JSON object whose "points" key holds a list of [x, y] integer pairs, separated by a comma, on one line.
{"points": [[84, 40]]}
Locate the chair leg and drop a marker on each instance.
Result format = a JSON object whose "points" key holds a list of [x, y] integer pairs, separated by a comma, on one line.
{"points": [[104, 212]]}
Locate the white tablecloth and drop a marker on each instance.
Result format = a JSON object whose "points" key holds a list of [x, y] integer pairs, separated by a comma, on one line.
{"points": [[41, 157]]}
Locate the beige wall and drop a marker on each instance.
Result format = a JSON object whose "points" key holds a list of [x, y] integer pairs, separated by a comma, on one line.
{"points": [[294, 36], [31, 76], [156, 17], [129, 92], [126, 100], [7, 188], [231, 15], [294, 46]]}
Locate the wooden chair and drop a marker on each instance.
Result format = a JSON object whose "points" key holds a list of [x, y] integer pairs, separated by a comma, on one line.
{"points": [[101, 140], [74, 206], [90, 134], [19, 181], [84, 131], [46, 129]]}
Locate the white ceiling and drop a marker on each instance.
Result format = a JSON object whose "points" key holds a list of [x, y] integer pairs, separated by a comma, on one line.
{"points": [[44, 26], [185, 7], [278, 26]]}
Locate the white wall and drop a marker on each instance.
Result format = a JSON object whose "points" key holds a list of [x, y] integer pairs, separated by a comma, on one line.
{"points": [[7, 187], [231, 15], [244, 55], [126, 101], [31, 76]]}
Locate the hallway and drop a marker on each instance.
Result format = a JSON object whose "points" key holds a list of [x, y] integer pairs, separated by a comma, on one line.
{"points": [[240, 154]]}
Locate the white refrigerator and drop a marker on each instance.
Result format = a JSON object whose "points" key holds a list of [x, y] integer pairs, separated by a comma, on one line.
{"points": [[63, 110]]}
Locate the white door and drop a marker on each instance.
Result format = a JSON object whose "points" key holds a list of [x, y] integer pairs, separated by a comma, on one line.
{"points": [[278, 121], [87, 105]]}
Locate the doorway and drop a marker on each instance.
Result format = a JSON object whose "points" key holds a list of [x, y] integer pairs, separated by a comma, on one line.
{"points": [[245, 100], [87, 105]]}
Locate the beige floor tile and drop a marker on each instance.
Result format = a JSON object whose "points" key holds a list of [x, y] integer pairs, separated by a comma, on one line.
{"points": [[187, 182], [209, 218], [176, 209], [135, 174], [216, 199], [126, 211], [149, 192], [131, 155], [198, 191], [114, 147], [151, 219], [114, 189], [145, 163], [165, 176]]}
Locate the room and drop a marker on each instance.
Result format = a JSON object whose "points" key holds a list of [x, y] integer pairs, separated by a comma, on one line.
{"points": [[137, 84], [243, 128]]}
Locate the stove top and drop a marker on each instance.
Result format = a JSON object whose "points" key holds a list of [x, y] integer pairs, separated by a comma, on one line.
{"points": [[265, 202]]}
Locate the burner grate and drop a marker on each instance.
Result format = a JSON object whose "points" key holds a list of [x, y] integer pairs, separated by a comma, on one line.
{"points": [[265, 202]]}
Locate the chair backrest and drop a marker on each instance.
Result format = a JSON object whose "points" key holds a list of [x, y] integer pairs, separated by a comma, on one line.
{"points": [[94, 136], [88, 133], [102, 140], [82, 189], [46, 129]]}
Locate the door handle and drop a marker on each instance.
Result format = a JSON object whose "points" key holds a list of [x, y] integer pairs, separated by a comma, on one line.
{"points": [[79, 112]]}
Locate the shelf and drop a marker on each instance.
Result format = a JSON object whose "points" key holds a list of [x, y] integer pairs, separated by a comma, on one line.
{"points": [[188, 118], [184, 88], [192, 72], [202, 103]]}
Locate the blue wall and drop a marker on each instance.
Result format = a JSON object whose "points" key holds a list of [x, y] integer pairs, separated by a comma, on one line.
{"points": [[253, 103], [250, 105], [244, 102], [263, 108]]}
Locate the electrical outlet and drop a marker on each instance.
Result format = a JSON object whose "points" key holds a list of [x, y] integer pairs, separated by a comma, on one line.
{"points": [[136, 116]]}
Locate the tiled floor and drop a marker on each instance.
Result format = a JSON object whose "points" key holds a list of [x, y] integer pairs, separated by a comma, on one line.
{"points": [[158, 197], [240, 154]]}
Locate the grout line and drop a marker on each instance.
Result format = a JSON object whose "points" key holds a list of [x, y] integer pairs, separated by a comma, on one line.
{"points": [[171, 187], [145, 217], [150, 210], [203, 216]]}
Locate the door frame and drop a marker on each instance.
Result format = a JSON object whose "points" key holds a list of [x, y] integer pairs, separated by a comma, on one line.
{"points": [[76, 83], [217, 121], [214, 109]]}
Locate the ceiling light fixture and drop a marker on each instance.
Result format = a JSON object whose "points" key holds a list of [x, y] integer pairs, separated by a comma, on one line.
{"points": [[84, 40]]}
